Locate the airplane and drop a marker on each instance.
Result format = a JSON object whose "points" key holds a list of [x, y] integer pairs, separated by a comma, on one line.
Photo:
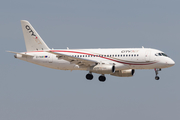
{"points": [[120, 62]]}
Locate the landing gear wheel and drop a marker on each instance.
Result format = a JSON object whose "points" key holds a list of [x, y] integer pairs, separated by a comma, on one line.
{"points": [[102, 78], [89, 76], [157, 77]]}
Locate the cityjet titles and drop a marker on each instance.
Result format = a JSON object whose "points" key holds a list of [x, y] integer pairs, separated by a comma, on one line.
{"points": [[129, 51]]}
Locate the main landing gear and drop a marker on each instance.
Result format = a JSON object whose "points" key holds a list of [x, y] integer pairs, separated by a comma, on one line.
{"points": [[89, 76], [156, 71]]}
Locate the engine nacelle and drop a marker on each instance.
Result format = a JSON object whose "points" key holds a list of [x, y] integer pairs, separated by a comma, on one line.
{"points": [[124, 73], [103, 69]]}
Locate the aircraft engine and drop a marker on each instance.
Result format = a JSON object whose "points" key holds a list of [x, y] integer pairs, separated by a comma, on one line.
{"points": [[124, 73], [103, 69]]}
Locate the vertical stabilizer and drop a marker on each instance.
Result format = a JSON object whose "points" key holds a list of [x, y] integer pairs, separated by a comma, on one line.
{"points": [[32, 39]]}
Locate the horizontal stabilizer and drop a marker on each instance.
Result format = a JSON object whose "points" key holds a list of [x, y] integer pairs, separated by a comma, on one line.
{"points": [[20, 53]]}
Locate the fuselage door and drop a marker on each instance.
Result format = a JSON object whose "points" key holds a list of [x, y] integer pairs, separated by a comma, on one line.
{"points": [[148, 55], [50, 58]]}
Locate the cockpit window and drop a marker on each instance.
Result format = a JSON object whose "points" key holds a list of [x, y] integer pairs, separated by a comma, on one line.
{"points": [[161, 54]]}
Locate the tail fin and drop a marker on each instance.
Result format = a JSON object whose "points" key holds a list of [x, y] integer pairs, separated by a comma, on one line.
{"points": [[32, 39]]}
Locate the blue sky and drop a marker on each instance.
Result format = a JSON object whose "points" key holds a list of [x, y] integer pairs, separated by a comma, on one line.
{"points": [[33, 92]]}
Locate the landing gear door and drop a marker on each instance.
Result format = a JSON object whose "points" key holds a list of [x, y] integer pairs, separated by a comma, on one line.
{"points": [[148, 55]]}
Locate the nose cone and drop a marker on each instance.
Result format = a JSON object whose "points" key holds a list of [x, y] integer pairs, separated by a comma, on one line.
{"points": [[170, 62]]}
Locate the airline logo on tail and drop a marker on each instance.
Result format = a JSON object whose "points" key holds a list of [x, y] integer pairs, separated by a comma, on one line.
{"points": [[32, 34], [30, 30]]}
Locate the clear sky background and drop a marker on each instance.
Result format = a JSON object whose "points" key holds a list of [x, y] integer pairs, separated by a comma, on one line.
{"points": [[32, 92]]}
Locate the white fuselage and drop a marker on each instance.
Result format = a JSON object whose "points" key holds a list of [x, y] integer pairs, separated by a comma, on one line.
{"points": [[127, 58]]}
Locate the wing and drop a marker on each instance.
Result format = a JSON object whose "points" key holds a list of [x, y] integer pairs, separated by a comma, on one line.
{"points": [[74, 60]]}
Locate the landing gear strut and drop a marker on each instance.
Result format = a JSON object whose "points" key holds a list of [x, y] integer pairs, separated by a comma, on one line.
{"points": [[156, 71], [89, 76], [102, 78]]}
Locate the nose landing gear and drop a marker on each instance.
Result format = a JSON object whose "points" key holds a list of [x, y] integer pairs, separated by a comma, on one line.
{"points": [[156, 71]]}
